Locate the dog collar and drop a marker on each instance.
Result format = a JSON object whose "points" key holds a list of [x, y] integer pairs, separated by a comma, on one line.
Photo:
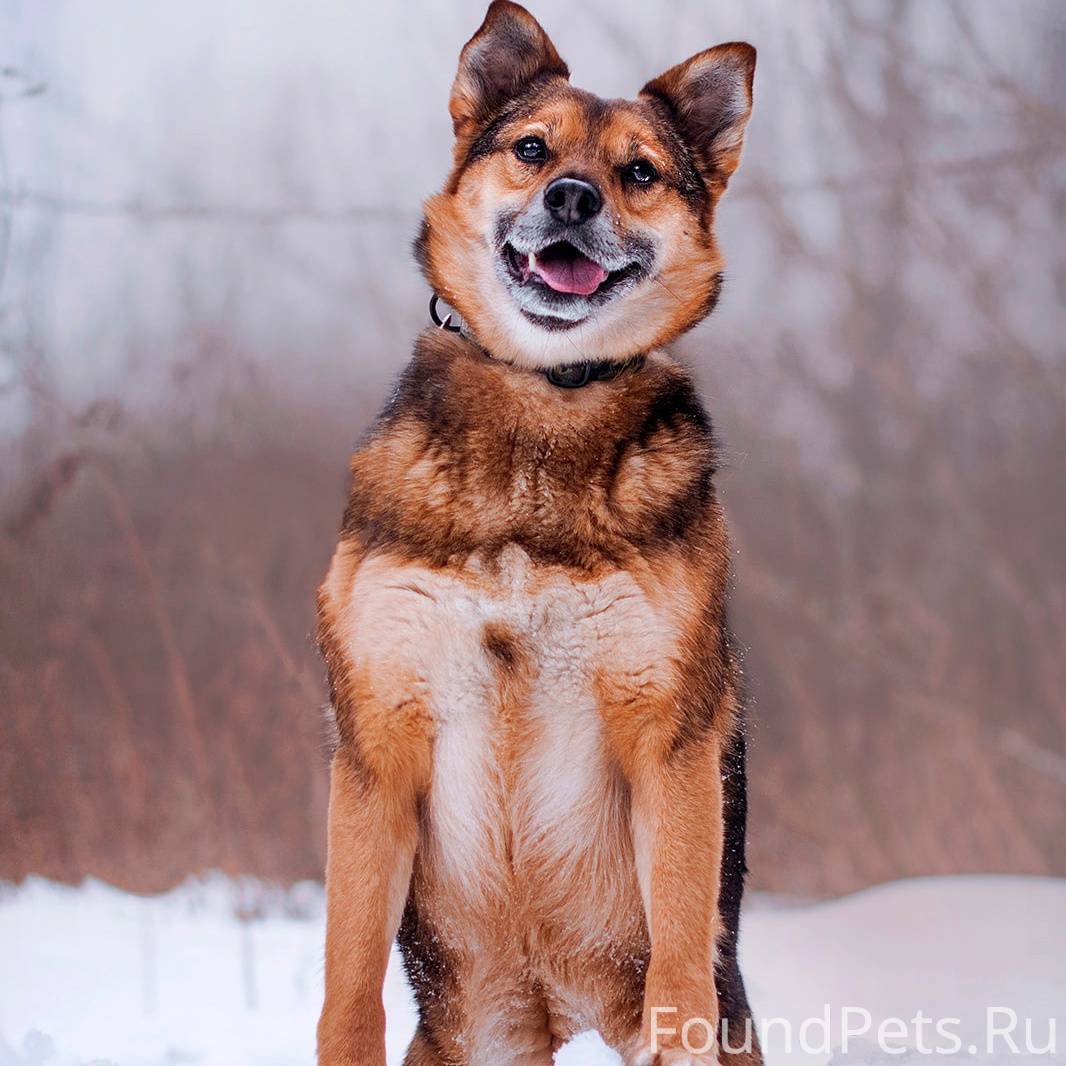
{"points": [[577, 375], [446, 322], [571, 376]]}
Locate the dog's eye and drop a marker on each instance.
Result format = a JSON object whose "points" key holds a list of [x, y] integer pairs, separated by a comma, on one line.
{"points": [[531, 150], [640, 172]]}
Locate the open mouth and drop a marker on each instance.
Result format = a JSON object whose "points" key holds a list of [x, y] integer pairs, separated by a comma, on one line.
{"points": [[563, 269]]}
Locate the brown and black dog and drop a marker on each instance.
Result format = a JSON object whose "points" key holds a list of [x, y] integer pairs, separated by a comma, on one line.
{"points": [[539, 778]]}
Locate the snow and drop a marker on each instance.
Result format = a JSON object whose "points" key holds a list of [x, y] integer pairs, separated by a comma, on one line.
{"points": [[91, 976]]}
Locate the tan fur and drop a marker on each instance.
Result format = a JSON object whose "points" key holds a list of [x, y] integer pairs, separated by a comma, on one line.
{"points": [[524, 629], [459, 221]]}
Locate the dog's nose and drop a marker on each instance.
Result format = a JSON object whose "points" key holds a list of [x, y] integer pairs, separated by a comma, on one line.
{"points": [[572, 201]]}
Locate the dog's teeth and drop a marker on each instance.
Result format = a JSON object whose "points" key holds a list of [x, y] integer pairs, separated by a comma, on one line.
{"points": [[532, 261]]}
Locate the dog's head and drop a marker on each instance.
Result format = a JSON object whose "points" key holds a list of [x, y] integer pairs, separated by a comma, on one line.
{"points": [[573, 228]]}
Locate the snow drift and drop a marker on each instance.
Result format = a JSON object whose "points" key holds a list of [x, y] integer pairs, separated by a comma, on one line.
{"points": [[229, 973]]}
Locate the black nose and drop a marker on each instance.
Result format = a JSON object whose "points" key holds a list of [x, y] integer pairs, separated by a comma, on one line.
{"points": [[572, 200]]}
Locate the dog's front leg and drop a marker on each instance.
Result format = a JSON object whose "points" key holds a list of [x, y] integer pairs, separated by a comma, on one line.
{"points": [[373, 831], [677, 834]]}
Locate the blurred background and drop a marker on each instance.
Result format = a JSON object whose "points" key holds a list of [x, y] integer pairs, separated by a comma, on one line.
{"points": [[206, 288]]}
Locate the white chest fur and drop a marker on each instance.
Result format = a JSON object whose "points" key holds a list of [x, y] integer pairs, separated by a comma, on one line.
{"points": [[522, 781]]}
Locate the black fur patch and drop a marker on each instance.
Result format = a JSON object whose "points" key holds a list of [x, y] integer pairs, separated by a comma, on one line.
{"points": [[500, 646], [430, 970], [489, 139], [689, 183], [732, 996]]}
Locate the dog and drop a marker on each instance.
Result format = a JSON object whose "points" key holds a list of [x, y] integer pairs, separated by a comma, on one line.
{"points": [[538, 783]]}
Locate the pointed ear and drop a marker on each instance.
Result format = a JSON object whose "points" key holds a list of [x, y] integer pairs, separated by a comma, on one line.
{"points": [[508, 53], [710, 97]]}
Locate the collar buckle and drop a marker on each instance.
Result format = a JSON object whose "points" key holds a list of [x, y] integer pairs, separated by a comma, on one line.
{"points": [[446, 322], [577, 375], [574, 376]]}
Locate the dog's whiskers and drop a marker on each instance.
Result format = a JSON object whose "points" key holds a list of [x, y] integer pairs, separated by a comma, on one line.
{"points": [[659, 281]]}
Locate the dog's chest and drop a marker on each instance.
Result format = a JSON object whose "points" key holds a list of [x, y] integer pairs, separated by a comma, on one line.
{"points": [[509, 662]]}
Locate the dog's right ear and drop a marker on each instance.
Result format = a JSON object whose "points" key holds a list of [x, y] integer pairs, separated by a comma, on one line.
{"points": [[507, 54]]}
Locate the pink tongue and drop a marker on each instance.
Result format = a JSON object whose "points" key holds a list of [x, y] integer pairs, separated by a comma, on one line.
{"points": [[578, 275]]}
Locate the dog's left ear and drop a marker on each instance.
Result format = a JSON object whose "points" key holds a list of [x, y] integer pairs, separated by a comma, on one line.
{"points": [[709, 96], [507, 54]]}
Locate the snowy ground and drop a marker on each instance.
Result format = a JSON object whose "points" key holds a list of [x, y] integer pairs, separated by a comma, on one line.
{"points": [[94, 976]]}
